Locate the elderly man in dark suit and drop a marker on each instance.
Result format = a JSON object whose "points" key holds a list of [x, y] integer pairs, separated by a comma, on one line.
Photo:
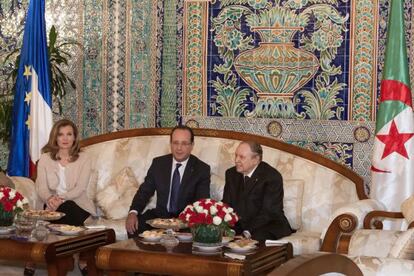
{"points": [[255, 190], [178, 178]]}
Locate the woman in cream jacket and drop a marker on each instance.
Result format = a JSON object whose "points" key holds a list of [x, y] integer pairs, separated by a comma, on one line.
{"points": [[63, 173]]}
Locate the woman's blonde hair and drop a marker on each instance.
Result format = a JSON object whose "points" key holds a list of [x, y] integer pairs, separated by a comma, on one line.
{"points": [[52, 147]]}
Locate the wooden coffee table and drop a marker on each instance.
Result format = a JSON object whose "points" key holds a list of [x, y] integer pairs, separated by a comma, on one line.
{"points": [[136, 255], [57, 251]]}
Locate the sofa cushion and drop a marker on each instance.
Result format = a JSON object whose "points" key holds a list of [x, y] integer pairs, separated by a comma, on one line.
{"points": [[407, 208], [115, 199], [403, 247], [375, 243], [292, 201], [304, 242]]}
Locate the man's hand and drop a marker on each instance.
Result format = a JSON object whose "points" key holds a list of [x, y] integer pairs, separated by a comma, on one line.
{"points": [[131, 223]]}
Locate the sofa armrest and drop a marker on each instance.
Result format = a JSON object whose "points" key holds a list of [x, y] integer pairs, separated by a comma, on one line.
{"points": [[339, 233], [344, 221], [26, 187], [372, 221]]}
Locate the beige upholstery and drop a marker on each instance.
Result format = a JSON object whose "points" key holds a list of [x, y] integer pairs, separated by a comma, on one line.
{"points": [[26, 187], [375, 266], [383, 252], [375, 243], [407, 208], [304, 242]]}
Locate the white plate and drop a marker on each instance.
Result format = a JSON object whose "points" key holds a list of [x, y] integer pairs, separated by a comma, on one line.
{"points": [[184, 237], [6, 229], [71, 233], [95, 227], [65, 229], [150, 238], [243, 249], [208, 248]]}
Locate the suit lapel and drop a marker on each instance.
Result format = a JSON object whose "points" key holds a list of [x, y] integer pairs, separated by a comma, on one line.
{"points": [[253, 180], [166, 177]]}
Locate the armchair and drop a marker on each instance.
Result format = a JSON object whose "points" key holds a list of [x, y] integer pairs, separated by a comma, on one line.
{"points": [[376, 251]]}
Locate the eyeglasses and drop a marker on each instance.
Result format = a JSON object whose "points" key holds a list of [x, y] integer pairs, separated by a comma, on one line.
{"points": [[183, 144]]}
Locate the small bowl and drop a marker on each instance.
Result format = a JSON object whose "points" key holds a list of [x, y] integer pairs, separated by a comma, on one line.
{"points": [[184, 237]]}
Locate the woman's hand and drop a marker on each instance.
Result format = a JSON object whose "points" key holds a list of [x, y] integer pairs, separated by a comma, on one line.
{"points": [[54, 202]]}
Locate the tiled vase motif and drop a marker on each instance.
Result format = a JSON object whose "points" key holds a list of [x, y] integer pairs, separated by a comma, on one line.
{"points": [[276, 67]]}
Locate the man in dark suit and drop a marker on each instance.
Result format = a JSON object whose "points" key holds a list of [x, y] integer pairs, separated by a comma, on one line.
{"points": [[178, 178], [255, 190]]}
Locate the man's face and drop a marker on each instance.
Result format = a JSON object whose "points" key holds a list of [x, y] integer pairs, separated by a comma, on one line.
{"points": [[181, 145], [245, 160]]}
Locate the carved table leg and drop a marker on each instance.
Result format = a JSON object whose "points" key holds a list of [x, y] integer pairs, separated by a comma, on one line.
{"points": [[89, 257], [60, 266]]}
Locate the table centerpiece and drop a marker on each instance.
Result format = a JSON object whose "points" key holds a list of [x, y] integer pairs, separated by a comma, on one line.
{"points": [[11, 203], [208, 219]]}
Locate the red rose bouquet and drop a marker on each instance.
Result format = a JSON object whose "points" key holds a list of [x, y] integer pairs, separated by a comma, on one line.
{"points": [[11, 202], [209, 211]]}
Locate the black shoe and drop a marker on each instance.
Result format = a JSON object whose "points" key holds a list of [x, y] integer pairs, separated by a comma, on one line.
{"points": [[84, 271], [28, 271]]}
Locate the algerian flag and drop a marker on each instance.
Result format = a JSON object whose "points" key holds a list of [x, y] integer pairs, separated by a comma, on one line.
{"points": [[393, 156]]}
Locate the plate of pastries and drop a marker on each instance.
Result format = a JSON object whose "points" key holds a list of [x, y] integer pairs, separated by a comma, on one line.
{"points": [[151, 235], [167, 223], [43, 214], [242, 245]]}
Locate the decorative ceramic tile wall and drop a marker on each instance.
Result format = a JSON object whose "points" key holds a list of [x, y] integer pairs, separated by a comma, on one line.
{"points": [[208, 63], [300, 62]]}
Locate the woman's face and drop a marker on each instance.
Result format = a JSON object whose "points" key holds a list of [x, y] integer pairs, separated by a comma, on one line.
{"points": [[66, 137]]}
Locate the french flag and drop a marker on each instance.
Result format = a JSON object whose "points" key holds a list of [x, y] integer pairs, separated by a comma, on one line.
{"points": [[32, 109]]}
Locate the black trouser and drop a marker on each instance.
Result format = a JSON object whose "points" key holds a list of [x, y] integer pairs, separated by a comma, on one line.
{"points": [[74, 215]]}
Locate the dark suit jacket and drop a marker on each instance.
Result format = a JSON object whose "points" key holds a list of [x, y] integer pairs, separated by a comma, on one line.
{"points": [[259, 202], [195, 184]]}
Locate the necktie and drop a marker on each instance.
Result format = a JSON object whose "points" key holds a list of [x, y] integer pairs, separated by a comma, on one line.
{"points": [[175, 188], [246, 179]]}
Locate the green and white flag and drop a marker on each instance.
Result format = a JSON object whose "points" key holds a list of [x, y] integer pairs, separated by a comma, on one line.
{"points": [[393, 156]]}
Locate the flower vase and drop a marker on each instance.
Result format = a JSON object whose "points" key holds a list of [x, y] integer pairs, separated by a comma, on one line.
{"points": [[6, 218], [207, 235]]}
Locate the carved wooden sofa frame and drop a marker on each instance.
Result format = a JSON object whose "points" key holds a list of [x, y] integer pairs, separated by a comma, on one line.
{"points": [[271, 146]]}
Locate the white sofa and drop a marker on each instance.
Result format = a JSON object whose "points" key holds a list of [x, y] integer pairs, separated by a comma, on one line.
{"points": [[315, 187]]}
